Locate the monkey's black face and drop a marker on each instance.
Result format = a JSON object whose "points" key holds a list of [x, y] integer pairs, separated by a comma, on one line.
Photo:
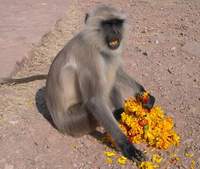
{"points": [[113, 30]]}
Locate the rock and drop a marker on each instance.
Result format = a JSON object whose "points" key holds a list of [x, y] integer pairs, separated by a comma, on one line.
{"points": [[192, 47]]}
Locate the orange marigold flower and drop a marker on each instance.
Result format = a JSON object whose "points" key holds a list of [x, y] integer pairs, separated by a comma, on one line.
{"points": [[152, 127]]}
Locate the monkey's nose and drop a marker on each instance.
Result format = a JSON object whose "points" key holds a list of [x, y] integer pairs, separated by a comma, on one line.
{"points": [[115, 30]]}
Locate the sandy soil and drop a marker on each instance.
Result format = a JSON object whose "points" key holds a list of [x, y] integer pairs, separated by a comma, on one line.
{"points": [[162, 53], [22, 24]]}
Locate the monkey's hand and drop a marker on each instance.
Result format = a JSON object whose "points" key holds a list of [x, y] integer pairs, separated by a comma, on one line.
{"points": [[146, 99], [132, 153], [117, 113]]}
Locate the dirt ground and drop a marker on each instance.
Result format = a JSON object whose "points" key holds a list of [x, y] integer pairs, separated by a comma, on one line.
{"points": [[22, 24], [162, 53]]}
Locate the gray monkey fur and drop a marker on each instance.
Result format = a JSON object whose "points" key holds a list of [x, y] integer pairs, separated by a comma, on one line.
{"points": [[83, 80]]}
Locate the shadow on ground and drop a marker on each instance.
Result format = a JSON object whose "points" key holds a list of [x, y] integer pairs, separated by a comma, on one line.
{"points": [[41, 105]]}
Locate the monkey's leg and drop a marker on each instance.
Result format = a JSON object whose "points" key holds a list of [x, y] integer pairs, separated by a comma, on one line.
{"points": [[107, 120], [77, 121], [95, 102], [116, 99], [65, 104]]}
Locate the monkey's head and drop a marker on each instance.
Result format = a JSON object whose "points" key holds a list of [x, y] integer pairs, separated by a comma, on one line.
{"points": [[108, 22]]}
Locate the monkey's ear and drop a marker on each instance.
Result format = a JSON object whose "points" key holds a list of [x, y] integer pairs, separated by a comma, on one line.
{"points": [[86, 17]]}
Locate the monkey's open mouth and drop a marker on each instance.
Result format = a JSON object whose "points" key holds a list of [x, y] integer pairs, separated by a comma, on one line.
{"points": [[114, 44]]}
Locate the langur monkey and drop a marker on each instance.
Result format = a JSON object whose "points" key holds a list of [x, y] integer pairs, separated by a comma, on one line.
{"points": [[83, 79]]}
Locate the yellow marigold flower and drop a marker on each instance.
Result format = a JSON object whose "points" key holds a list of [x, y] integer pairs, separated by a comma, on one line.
{"points": [[140, 113], [176, 138], [156, 158], [109, 160], [137, 139], [135, 130], [189, 155], [192, 165], [123, 128], [149, 126], [122, 160], [157, 111], [109, 153], [162, 144], [147, 165], [149, 137]]}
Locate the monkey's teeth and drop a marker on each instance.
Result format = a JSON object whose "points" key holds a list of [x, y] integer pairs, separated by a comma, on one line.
{"points": [[113, 43]]}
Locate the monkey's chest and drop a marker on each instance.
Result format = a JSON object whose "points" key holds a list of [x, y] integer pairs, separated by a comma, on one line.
{"points": [[108, 69], [110, 76]]}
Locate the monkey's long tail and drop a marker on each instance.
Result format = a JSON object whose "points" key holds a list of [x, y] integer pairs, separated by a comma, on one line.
{"points": [[11, 81]]}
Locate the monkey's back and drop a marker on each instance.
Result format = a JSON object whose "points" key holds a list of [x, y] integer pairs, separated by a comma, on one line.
{"points": [[62, 83]]}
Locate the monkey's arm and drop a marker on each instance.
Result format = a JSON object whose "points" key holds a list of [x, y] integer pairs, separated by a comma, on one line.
{"points": [[124, 78], [138, 89], [117, 101], [96, 104], [9, 81]]}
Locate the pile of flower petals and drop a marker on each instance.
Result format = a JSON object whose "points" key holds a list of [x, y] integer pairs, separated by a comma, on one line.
{"points": [[152, 127]]}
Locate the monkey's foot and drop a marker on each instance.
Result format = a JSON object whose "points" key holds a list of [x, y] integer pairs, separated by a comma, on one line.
{"points": [[133, 153]]}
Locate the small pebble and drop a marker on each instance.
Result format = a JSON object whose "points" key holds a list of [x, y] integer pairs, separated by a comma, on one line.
{"points": [[157, 42], [145, 53], [169, 71], [173, 48]]}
